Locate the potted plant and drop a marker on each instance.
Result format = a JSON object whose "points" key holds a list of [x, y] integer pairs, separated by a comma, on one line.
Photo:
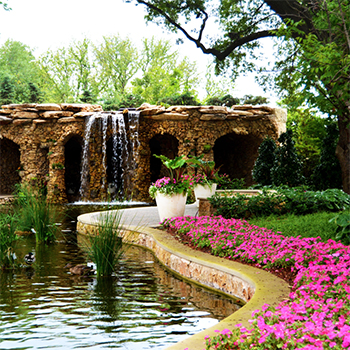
{"points": [[205, 182], [170, 192]]}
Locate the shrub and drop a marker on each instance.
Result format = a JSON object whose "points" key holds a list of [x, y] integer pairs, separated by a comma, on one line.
{"points": [[185, 99], [327, 174], [287, 168], [265, 161], [342, 221], [296, 201], [225, 183]]}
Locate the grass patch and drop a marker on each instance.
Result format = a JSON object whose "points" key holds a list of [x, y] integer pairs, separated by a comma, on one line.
{"points": [[290, 225], [34, 212], [105, 246]]}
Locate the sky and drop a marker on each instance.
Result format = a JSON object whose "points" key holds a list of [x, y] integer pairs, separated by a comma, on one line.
{"points": [[44, 24]]}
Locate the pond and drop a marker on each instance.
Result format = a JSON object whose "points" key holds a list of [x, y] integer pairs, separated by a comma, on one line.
{"points": [[143, 307]]}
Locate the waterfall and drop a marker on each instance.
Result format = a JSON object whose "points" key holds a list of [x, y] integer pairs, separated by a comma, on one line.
{"points": [[85, 156], [119, 162]]}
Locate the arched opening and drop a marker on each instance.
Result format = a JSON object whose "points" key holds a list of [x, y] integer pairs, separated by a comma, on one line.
{"points": [[236, 154], [10, 164], [73, 155], [166, 145]]}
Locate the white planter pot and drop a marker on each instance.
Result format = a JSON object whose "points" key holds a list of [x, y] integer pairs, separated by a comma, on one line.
{"points": [[170, 206], [204, 191]]}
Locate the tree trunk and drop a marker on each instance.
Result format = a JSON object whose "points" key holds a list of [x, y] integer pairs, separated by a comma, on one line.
{"points": [[343, 150]]}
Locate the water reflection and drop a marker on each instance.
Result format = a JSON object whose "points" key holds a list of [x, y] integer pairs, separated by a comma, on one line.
{"points": [[142, 307]]}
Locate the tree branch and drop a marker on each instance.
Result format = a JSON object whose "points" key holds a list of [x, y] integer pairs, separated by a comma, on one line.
{"points": [[293, 10], [220, 55]]}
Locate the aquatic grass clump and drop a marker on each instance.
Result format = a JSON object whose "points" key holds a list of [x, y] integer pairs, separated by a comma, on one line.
{"points": [[105, 246], [8, 239], [317, 313], [35, 213]]}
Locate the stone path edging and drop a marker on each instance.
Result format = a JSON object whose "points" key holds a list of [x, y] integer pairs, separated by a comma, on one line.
{"points": [[255, 286]]}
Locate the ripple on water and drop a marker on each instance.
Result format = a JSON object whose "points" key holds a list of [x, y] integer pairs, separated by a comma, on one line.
{"points": [[142, 307]]}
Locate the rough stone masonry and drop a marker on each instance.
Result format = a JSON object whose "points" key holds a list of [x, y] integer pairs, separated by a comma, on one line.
{"points": [[44, 141]]}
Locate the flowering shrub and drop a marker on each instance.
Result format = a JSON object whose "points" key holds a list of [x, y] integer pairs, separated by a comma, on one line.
{"points": [[169, 186], [317, 313]]}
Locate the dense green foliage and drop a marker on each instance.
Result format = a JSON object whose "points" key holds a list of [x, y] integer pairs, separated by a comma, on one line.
{"points": [[7, 240], [287, 167], [185, 99], [309, 129], [265, 161], [19, 74], [278, 165], [327, 174], [342, 220], [296, 201]]}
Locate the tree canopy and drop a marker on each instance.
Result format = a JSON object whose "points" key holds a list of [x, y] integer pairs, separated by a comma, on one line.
{"points": [[313, 62]]}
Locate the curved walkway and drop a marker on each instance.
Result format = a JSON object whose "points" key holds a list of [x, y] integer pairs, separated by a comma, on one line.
{"points": [[250, 284]]}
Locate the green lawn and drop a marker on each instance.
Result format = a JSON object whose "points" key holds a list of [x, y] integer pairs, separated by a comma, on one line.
{"points": [[311, 225]]}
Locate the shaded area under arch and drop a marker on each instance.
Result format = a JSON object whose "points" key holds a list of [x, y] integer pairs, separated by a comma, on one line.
{"points": [[166, 145], [73, 155], [236, 154], [10, 162]]}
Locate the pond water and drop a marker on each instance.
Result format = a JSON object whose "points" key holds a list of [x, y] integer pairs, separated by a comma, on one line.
{"points": [[143, 307]]}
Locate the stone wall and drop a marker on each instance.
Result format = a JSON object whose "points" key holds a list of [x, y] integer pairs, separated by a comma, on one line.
{"points": [[40, 141]]}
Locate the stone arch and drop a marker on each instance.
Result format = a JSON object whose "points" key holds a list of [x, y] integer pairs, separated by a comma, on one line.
{"points": [[236, 154], [165, 144], [10, 163], [72, 163]]}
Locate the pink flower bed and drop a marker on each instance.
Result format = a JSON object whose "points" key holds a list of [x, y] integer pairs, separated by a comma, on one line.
{"points": [[317, 313]]}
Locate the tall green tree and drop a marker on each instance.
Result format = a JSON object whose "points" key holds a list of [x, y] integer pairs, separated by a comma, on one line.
{"points": [[162, 73], [7, 91], [18, 66], [287, 167], [68, 72], [314, 33], [327, 173], [265, 162], [309, 129], [117, 62]]}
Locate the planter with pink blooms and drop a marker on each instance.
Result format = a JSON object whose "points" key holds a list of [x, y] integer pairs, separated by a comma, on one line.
{"points": [[170, 192]]}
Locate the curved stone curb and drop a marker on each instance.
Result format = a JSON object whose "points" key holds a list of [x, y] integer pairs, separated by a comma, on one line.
{"points": [[254, 286]]}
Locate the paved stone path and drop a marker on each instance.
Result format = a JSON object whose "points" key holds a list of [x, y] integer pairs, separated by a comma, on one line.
{"points": [[148, 216]]}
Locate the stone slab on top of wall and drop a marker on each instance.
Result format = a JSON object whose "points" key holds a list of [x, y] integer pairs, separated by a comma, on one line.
{"points": [[36, 113], [277, 116]]}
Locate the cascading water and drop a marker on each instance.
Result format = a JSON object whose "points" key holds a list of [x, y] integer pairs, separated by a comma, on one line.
{"points": [[85, 155], [119, 153]]}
